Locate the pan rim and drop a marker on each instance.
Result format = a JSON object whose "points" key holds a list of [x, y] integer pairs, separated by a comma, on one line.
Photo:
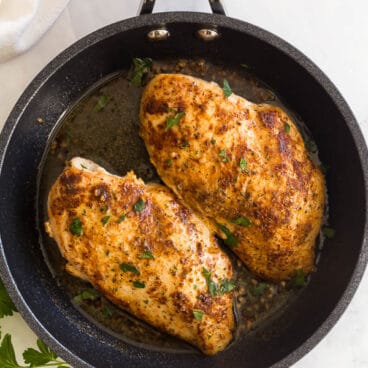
{"points": [[202, 18]]}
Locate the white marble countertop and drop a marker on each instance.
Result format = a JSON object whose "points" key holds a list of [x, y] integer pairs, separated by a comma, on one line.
{"points": [[333, 33]]}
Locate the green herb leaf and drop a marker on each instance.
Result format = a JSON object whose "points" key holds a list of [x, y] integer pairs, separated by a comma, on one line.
{"points": [[243, 164], [231, 240], [141, 67], [139, 284], [106, 312], [105, 220], [328, 232], [242, 221], [184, 144], [226, 88], [213, 141], [168, 163], [88, 294], [300, 278], [76, 227], [121, 218], [259, 289], [146, 255], [101, 103], [126, 267], [212, 286], [7, 354], [226, 286], [39, 358], [174, 120], [7, 307], [139, 205], [198, 315], [223, 156], [287, 128], [103, 209], [311, 146], [323, 168]]}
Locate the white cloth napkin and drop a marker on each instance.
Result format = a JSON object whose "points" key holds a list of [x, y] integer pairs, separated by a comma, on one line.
{"points": [[23, 22]]}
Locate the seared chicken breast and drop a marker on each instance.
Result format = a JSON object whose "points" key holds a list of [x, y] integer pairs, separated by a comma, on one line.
{"points": [[142, 249], [243, 166]]}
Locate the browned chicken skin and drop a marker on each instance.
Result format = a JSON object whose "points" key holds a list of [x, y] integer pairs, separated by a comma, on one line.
{"points": [[242, 165], [144, 251]]}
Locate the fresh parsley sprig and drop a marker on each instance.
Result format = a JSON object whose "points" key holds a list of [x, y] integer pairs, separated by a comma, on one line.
{"points": [[44, 357], [7, 307]]}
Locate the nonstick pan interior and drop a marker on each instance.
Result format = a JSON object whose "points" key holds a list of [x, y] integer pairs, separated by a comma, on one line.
{"points": [[308, 93]]}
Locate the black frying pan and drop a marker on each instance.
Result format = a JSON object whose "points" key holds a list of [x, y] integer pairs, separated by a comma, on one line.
{"points": [[308, 92]]}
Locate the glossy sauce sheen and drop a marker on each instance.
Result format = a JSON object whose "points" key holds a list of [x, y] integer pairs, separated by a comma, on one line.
{"points": [[110, 138]]}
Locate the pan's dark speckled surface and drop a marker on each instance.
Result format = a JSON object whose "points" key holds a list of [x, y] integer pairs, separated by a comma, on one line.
{"points": [[299, 82]]}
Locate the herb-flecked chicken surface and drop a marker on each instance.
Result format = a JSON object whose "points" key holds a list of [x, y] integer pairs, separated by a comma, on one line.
{"points": [[242, 165], [146, 252]]}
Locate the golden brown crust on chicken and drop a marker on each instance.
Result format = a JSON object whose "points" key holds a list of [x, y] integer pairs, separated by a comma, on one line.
{"points": [[228, 158], [143, 250]]}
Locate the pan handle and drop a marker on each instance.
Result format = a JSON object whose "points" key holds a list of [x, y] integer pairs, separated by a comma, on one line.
{"points": [[146, 7]]}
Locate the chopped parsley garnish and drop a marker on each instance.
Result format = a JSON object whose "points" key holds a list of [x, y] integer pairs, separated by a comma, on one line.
{"points": [[259, 289], [141, 67], [184, 144], [88, 294], [105, 220], [212, 286], [311, 146], [226, 286], [243, 164], [139, 284], [168, 163], [106, 312], [287, 128], [242, 221], [146, 255], [323, 168], [214, 289], [328, 232], [226, 88], [139, 205], [198, 315], [76, 227], [231, 240], [101, 103], [300, 278], [174, 120], [126, 267], [223, 156], [213, 141], [121, 218]]}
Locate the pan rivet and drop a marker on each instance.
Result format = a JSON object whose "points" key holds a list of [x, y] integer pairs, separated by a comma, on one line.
{"points": [[207, 34], [158, 34]]}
